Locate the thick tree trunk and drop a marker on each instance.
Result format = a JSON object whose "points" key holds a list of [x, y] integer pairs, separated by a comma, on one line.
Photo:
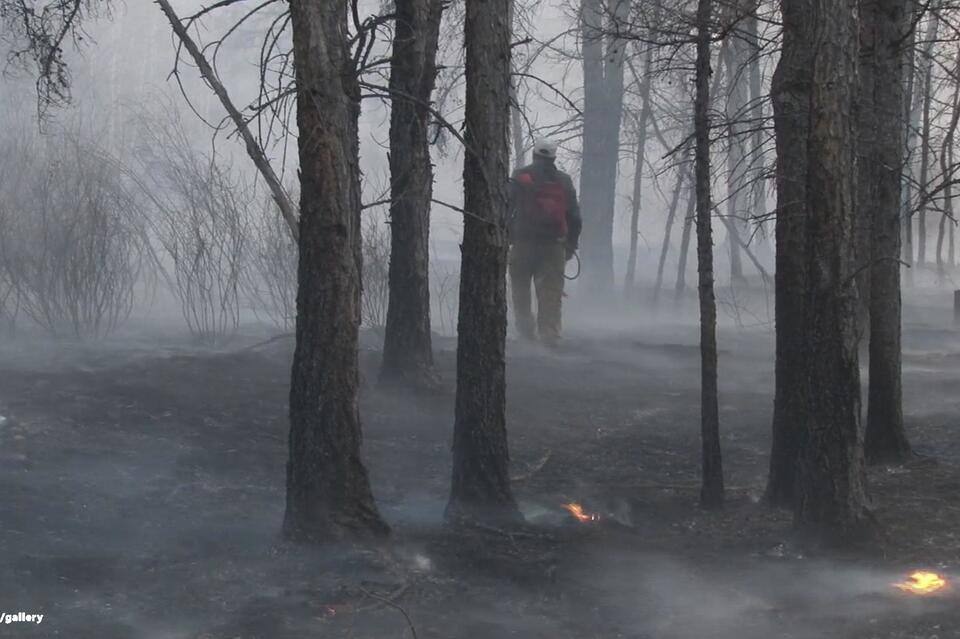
{"points": [[407, 348], [480, 489], [711, 491], [790, 95], [328, 492], [831, 496], [882, 118], [603, 57]]}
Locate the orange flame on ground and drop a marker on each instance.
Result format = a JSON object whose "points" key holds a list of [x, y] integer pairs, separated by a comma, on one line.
{"points": [[922, 582], [576, 510]]}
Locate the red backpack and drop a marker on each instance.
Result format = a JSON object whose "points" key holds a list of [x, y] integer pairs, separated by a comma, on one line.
{"points": [[544, 206]]}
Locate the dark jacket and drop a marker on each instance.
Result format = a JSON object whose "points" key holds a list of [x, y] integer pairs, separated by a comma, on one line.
{"points": [[543, 169]]}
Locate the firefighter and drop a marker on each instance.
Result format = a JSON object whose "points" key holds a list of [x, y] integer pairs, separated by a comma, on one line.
{"points": [[544, 230]]}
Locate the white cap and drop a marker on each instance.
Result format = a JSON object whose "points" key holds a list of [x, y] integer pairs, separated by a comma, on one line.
{"points": [[545, 148]]}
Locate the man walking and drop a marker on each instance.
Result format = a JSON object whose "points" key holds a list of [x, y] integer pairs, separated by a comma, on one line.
{"points": [[544, 230]]}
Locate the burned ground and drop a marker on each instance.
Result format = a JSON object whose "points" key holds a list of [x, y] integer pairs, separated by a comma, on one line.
{"points": [[142, 493]]}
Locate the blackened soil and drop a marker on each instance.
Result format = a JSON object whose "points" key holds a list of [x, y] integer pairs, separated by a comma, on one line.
{"points": [[141, 492]]}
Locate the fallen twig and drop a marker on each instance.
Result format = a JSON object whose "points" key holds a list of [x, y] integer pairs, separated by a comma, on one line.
{"points": [[275, 338], [536, 468], [389, 602]]}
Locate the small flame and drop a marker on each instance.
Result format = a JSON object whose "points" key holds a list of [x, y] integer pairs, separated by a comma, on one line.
{"points": [[576, 510], [922, 582]]}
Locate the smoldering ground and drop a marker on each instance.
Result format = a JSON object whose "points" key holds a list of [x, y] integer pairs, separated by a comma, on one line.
{"points": [[142, 488]]}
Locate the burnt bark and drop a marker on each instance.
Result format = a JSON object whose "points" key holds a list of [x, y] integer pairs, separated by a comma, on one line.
{"points": [[480, 490], [407, 347], [790, 95], [711, 490], [882, 124], [328, 491], [830, 503]]}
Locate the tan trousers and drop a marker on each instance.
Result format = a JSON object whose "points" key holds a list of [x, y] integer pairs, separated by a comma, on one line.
{"points": [[541, 262]]}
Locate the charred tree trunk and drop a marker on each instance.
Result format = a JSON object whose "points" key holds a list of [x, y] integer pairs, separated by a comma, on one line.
{"points": [[830, 503], [882, 121], [711, 491], [790, 95], [407, 347], [328, 491], [480, 489]]}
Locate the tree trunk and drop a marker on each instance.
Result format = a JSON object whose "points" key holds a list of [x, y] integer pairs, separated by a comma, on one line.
{"points": [[953, 226], [932, 30], [681, 284], [407, 347], [480, 489], [671, 215], [711, 491], [734, 59], [645, 110], [913, 100], [790, 95], [882, 118], [328, 492], [866, 145], [947, 170], [603, 57], [831, 497], [752, 37], [516, 123]]}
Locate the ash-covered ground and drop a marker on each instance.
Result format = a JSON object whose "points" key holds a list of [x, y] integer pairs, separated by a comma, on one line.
{"points": [[141, 495]]}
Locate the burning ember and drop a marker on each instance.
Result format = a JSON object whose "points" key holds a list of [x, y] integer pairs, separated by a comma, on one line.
{"points": [[577, 511], [922, 582]]}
